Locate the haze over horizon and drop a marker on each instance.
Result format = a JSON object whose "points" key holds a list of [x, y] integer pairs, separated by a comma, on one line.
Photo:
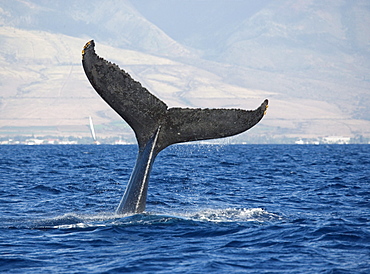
{"points": [[311, 59]]}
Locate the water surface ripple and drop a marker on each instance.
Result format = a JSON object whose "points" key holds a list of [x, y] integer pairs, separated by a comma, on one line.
{"points": [[211, 209]]}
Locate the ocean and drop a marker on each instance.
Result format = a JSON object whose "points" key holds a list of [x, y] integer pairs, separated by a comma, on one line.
{"points": [[210, 209]]}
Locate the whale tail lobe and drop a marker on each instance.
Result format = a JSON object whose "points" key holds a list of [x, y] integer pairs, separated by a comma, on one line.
{"points": [[145, 113]]}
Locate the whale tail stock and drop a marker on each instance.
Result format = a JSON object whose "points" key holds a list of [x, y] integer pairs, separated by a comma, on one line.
{"points": [[155, 125], [145, 113]]}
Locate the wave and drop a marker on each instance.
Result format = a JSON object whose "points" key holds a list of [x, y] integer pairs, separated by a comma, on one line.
{"points": [[104, 219], [234, 215]]}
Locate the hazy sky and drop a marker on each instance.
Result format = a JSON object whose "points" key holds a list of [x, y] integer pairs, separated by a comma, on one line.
{"points": [[196, 19]]}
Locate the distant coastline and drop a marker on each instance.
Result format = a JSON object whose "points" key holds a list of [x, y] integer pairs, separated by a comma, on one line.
{"points": [[128, 140]]}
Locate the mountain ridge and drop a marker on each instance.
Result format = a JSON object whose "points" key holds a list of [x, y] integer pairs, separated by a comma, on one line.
{"points": [[39, 64]]}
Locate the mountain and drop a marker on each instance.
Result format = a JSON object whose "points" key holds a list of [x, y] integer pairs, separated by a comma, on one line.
{"points": [[323, 46], [313, 49], [310, 58], [45, 91], [115, 22]]}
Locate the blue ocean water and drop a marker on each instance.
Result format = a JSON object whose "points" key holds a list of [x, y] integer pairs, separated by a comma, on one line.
{"points": [[211, 209]]}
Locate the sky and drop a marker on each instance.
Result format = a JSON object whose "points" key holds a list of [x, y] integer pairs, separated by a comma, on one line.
{"points": [[186, 21]]}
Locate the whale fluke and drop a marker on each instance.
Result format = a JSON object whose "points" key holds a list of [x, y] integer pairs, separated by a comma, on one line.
{"points": [[155, 125]]}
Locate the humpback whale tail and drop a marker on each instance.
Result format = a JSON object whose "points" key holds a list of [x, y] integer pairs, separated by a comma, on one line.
{"points": [[155, 125]]}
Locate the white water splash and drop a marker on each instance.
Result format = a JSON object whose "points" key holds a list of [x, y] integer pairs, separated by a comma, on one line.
{"points": [[234, 215], [72, 220]]}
